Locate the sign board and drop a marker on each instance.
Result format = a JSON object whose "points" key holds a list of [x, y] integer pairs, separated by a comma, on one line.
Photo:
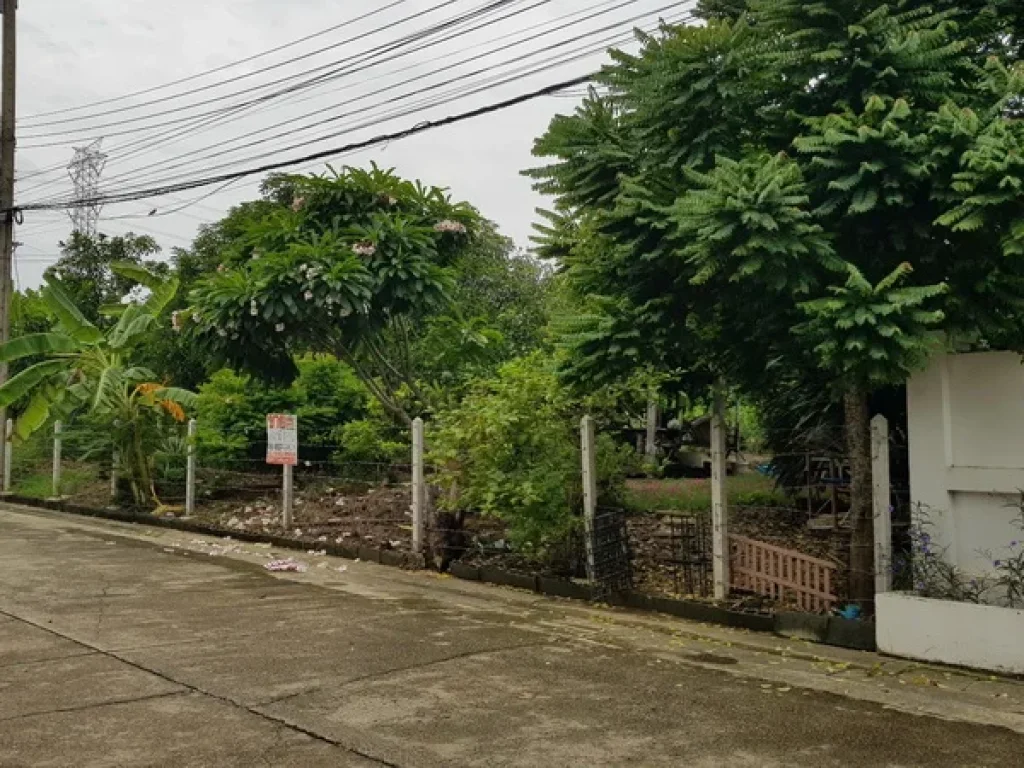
{"points": [[282, 439]]}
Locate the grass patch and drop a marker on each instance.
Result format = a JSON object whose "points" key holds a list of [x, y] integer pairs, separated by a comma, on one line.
{"points": [[693, 495], [38, 484]]}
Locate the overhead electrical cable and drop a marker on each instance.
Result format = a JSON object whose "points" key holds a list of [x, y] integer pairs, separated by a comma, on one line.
{"points": [[293, 128]]}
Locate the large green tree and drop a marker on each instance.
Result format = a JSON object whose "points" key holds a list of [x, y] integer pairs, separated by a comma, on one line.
{"points": [[85, 271], [802, 186], [412, 290]]}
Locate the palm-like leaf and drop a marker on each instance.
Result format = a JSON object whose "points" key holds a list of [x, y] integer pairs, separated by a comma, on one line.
{"points": [[15, 389], [69, 316], [38, 344]]}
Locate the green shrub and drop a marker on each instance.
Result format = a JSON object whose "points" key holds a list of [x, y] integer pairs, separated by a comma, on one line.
{"points": [[232, 409], [369, 440], [511, 449]]}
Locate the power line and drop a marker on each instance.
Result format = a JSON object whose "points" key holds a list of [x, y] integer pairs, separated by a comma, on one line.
{"points": [[323, 154], [92, 129], [446, 98], [199, 125], [192, 158], [378, 54], [215, 70]]}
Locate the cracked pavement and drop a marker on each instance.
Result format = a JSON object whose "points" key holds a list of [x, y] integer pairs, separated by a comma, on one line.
{"points": [[127, 646]]}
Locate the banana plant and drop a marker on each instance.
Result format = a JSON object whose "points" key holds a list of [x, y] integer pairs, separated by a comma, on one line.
{"points": [[84, 369]]}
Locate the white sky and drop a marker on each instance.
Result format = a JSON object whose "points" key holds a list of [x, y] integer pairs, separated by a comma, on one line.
{"points": [[74, 53]]}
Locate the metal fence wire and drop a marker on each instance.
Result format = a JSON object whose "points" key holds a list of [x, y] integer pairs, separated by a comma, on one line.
{"points": [[690, 554], [613, 566]]}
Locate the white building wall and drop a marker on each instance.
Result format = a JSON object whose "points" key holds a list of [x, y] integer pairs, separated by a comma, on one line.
{"points": [[966, 434]]}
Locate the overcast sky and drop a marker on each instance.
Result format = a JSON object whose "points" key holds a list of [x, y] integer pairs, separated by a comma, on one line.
{"points": [[75, 53]]}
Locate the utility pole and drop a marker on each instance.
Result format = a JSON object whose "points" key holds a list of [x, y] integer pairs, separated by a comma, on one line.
{"points": [[8, 107]]}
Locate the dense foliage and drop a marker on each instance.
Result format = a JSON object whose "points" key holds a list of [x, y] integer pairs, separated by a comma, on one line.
{"points": [[801, 188], [82, 369], [510, 449]]}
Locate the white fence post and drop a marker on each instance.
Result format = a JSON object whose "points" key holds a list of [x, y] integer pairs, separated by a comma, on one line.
{"points": [[287, 498], [882, 503], [719, 503], [57, 429], [8, 454], [587, 438], [190, 469], [419, 487], [651, 442]]}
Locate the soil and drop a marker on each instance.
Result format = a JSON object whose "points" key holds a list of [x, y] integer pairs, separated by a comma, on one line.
{"points": [[372, 515]]}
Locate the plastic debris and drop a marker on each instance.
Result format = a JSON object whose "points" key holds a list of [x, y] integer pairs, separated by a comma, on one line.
{"points": [[286, 565]]}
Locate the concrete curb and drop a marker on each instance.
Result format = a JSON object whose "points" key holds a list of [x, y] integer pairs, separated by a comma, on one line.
{"points": [[826, 630]]}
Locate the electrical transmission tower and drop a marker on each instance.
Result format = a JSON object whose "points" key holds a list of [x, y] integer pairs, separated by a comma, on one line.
{"points": [[85, 169]]}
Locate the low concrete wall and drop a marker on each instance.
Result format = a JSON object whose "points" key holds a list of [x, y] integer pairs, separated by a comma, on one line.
{"points": [[964, 634]]}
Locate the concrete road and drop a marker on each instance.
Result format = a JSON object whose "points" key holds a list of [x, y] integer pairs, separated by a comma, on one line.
{"points": [[124, 646]]}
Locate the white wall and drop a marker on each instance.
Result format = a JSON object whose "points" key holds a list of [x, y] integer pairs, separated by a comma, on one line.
{"points": [[966, 433], [979, 636]]}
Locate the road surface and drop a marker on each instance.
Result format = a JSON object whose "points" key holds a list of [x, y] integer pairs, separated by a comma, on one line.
{"points": [[126, 646]]}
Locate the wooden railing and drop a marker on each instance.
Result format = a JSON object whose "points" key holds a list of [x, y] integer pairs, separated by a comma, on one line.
{"points": [[782, 574]]}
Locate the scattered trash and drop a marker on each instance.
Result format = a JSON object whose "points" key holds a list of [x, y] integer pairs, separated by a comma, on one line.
{"points": [[341, 568], [286, 565], [851, 611]]}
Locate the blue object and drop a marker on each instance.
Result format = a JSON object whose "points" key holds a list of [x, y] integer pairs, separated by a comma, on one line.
{"points": [[851, 611]]}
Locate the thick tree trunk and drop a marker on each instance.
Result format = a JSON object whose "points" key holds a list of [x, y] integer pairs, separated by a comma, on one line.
{"points": [[862, 546]]}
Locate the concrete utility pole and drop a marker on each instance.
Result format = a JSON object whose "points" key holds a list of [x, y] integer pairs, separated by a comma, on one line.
{"points": [[8, 106]]}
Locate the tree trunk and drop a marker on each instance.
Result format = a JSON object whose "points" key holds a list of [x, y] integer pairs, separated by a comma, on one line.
{"points": [[862, 545]]}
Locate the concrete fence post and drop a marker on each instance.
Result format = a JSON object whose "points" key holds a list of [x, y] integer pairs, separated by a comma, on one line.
{"points": [[419, 487], [8, 454], [881, 503], [58, 428], [190, 469], [587, 441], [651, 441], [719, 500], [287, 498]]}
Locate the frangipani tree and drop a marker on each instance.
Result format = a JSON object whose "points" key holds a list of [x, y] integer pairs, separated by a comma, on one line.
{"points": [[85, 370], [348, 263]]}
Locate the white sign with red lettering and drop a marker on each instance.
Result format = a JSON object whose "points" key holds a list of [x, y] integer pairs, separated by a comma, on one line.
{"points": [[282, 439]]}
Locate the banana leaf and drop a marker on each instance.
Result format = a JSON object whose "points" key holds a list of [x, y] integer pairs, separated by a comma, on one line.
{"points": [[37, 344], [70, 317], [15, 389]]}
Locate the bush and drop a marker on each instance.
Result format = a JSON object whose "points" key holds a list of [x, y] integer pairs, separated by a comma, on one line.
{"points": [[511, 449], [371, 440], [232, 410]]}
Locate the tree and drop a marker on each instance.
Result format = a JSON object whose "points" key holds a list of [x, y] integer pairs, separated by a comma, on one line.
{"points": [[84, 369], [775, 172], [351, 266], [175, 355], [85, 268]]}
